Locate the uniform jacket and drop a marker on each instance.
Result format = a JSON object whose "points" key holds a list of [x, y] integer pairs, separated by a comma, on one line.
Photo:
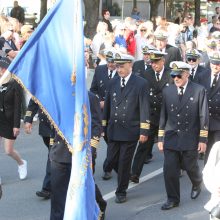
{"points": [[126, 113], [184, 124], [173, 54], [45, 127], [10, 102], [139, 67], [213, 95], [200, 72], [155, 92], [59, 151], [100, 82]]}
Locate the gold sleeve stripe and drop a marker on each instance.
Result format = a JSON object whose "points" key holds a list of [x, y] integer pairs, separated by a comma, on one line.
{"points": [[51, 141], [145, 126], [28, 113], [203, 133], [104, 122], [94, 143], [161, 133]]}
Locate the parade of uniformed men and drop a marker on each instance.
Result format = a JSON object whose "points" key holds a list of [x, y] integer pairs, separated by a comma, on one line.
{"points": [[125, 120], [148, 134], [158, 77], [212, 84], [183, 132]]}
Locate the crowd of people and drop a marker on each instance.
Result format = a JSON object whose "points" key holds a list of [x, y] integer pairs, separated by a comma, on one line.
{"points": [[154, 82]]}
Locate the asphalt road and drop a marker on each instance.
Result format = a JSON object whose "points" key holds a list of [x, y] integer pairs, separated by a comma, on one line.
{"points": [[19, 201]]}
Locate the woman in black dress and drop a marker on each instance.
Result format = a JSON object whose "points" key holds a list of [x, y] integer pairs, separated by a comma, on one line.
{"points": [[10, 116]]}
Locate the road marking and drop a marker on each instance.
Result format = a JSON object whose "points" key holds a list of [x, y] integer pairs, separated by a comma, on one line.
{"points": [[142, 179]]}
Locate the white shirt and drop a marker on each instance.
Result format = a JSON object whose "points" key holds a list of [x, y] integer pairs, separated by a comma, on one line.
{"points": [[126, 79], [212, 78], [195, 69], [161, 73], [113, 73], [184, 88]]}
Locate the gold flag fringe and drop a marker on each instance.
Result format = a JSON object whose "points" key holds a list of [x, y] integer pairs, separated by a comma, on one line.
{"points": [[71, 150]]}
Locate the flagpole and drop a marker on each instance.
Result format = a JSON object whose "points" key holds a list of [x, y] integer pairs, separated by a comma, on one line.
{"points": [[5, 77]]}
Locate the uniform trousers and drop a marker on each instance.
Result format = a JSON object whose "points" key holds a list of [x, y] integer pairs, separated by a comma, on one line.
{"points": [[119, 157], [213, 137], [46, 182], [60, 176], [173, 162], [144, 150]]}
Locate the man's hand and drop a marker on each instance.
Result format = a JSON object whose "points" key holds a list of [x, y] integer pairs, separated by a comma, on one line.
{"points": [[28, 127], [160, 146], [143, 138], [201, 147], [16, 131], [102, 104]]}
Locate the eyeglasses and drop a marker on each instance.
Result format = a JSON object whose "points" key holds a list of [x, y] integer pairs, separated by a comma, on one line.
{"points": [[144, 30], [191, 59], [178, 76]]}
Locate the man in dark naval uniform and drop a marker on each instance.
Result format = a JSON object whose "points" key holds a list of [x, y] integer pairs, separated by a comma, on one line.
{"points": [[61, 160], [212, 85], [173, 53], [158, 77], [183, 132], [103, 75], [193, 59], [46, 131], [140, 66], [125, 119]]}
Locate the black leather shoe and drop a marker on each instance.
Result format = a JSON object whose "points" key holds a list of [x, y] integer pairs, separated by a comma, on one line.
{"points": [[169, 205], [148, 159], [195, 191], [107, 176], [43, 194], [134, 179], [120, 199]]}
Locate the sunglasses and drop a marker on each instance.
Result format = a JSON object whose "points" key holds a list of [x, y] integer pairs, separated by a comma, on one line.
{"points": [[143, 30], [178, 76], [191, 59]]}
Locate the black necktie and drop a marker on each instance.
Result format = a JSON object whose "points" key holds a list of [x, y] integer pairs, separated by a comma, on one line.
{"points": [[181, 93], [192, 74], [214, 80], [145, 66], [110, 75], [158, 76], [122, 83]]}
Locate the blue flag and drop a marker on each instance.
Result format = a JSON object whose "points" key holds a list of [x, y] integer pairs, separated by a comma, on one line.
{"points": [[51, 67]]}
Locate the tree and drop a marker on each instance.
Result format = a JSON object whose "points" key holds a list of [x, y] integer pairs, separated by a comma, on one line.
{"points": [[43, 9], [134, 3], [91, 17], [197, 12], [154, 4]]}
